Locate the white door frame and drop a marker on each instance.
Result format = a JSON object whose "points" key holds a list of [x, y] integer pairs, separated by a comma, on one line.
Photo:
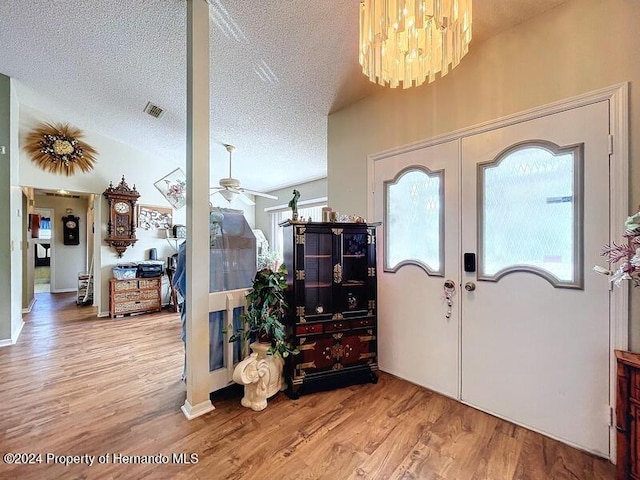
{"points": [[618, 97]]}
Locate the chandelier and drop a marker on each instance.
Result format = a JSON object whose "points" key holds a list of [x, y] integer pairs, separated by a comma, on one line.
{"points": [[409, 41]]}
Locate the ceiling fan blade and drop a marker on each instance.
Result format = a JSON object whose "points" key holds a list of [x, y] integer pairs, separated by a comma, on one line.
{"points": [[260, 194], [246, 200], [216, 189]]}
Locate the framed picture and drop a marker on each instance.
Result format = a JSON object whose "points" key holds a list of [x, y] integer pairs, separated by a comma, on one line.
{"points": [[151, 217], [173, 187]]}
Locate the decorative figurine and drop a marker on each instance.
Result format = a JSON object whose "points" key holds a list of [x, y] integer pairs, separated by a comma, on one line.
{"points": [[293, 205]]}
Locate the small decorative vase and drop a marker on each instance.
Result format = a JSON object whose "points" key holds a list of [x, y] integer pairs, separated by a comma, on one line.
{"points": [[261, 375]]}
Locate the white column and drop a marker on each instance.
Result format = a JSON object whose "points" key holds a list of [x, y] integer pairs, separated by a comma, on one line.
{"points": [[197, 302]]}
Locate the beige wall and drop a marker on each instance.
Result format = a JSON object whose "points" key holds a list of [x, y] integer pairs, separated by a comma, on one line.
{"points": [[581, 46]]}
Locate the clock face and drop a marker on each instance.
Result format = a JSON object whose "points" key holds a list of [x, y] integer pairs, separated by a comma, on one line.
{"points": [[70, 224], [121, 207]]}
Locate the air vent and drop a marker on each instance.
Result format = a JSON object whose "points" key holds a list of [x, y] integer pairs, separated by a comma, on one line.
{"points": [[154, 110]]}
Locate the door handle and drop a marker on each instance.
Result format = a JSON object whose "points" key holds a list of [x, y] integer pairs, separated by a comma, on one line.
{"points": [[469, 286]]}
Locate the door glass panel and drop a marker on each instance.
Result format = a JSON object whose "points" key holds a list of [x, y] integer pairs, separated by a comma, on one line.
{"points": [[318, 273], [530, 214], [414, 221]]}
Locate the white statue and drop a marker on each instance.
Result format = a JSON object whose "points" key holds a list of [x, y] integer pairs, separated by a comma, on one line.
{"points": [[261, 375]]}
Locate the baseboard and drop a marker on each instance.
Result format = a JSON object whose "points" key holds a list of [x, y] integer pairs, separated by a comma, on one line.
{"points": [[64, 290], [102, 314], [16, 334], [14, 338], [192, 412], [31, 304]]}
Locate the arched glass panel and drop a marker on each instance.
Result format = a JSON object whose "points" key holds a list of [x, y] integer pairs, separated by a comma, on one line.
{"points": [[414, 221], [530, 214]]}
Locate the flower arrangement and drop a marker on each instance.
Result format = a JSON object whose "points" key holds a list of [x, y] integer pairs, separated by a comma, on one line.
{"points": [[58, 149], [628, 254]]}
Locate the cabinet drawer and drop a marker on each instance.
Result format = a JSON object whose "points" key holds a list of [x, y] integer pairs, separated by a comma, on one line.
{"points": [[308, 328], [362, 323], [136, 306], [148, 283], [135, 295], [336, 326], [123, 285]]}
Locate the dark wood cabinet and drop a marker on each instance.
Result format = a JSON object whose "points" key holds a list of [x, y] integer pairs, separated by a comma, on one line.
{"points": [[627, 415], [332, 304]]}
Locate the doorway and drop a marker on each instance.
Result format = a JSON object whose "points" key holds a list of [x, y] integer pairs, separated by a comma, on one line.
{"points": [[42, 233], [61, 265], [486, 291]]}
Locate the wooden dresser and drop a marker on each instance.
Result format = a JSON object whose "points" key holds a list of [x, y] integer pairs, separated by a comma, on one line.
{"points": [[134, 296], [628, 416]]}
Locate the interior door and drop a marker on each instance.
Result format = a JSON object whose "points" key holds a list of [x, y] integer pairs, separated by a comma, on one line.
{"points": [[417, 201], [535, 330]]}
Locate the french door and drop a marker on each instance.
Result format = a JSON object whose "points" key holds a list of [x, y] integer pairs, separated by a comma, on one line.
{"points": [[524, 332], [417, 252]]}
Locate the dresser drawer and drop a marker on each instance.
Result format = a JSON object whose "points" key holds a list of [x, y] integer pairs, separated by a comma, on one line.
{"points": [[148, 283], [307, 328], [362, 323], [123, 285], [136, 306], [136, 295], [336, 326]]}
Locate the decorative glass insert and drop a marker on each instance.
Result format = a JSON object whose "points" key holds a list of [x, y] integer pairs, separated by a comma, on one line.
{"points": [[414, 220], [530, 213]]}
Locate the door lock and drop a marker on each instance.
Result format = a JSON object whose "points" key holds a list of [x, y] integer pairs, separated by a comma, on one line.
{"points": [[469, 286]]}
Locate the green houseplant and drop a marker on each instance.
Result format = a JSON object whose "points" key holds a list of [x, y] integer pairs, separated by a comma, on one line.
{"points": [[266, 309]]}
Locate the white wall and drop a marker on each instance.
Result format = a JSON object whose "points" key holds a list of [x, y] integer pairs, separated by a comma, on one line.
{"points": [[577, 47]]}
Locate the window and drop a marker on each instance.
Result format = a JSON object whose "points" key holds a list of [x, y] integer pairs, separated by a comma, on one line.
{"points": [[414, 221], [314, 213], [530, 214]]}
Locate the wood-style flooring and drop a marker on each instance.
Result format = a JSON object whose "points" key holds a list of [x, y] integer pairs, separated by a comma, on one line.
{"points": [[75, 384]]}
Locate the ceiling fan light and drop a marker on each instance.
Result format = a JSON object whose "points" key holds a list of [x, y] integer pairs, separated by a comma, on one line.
{"points": [[228, 195]]}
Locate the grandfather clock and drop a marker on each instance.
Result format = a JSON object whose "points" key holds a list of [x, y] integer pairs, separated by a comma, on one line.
{"points": [[121, 229]]}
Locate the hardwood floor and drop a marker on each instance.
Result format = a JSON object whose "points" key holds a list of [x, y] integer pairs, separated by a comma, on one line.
{"points": [[75, 384]]}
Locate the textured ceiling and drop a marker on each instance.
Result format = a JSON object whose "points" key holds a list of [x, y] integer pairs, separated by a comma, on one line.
{"points": [[278, 69]]}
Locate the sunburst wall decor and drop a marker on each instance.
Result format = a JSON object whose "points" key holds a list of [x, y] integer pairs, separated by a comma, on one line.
{"points": [[58, 149]]}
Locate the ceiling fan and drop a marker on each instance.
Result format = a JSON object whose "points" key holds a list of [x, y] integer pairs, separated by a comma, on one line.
{"points": [[230, 187]]}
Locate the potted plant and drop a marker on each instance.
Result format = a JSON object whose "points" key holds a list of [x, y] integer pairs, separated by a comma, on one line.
{"points": [[266, 309], [261, 372]]}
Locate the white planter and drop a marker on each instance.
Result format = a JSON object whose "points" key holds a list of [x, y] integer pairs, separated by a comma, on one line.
{"points": [[261, 375]]}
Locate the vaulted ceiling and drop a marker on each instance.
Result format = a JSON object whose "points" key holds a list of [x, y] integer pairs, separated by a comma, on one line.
{"points": [[278, 68]]}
